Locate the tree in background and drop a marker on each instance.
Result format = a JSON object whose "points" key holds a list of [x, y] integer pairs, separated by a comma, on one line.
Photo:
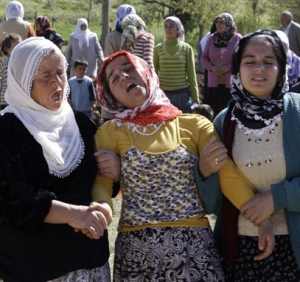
{"points": [[197, 15]]}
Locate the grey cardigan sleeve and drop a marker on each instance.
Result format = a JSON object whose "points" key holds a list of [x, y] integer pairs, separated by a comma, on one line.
{"points": [[286, 194], [209, 190]]}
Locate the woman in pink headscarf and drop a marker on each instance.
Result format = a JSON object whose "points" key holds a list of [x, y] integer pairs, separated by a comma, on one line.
{"points": [[163, 232]]}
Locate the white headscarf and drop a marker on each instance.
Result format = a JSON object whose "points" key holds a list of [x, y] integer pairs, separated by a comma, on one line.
{"points": [[179, 25], [14, 10], [122, 11], [82, 35], [56, 131], [132, 26]]}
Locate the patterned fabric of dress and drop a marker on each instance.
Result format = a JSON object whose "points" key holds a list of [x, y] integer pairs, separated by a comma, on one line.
{"points": [[3, 79], [281, 266], [158, 187], [99, 274], [167, 254]]}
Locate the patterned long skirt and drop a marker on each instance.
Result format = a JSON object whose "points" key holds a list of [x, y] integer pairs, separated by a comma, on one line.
{"points": [[280, 266], [99, 274], [167, 254]]}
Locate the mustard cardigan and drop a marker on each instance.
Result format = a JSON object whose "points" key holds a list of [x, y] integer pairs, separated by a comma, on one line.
{"points": [[188, 130]]}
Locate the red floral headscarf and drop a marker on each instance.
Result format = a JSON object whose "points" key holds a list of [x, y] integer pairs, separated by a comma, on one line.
{"points": [[156, 108]]}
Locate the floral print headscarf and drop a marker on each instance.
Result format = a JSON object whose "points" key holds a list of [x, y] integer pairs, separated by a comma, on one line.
{"points": [[156, 108]]}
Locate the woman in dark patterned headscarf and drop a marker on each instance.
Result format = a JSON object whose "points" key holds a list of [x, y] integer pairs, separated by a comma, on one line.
{"points": [[260, 129], [217, 60]]}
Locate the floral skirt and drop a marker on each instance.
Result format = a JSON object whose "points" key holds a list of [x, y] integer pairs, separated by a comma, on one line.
{"points": [[280, 266], [99, 274], [167, 254]]}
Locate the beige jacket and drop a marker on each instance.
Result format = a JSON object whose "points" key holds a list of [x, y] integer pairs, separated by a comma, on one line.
{"points": [[23, 28]]}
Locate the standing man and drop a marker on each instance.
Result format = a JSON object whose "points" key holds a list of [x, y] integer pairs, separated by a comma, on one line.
{"points": [[292, 30]]}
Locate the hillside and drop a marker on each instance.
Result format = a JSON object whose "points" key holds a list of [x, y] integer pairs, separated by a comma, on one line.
{"points": [[63, 14]]}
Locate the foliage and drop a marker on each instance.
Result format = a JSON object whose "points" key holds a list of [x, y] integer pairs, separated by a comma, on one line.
{"points": [[196, 15]]}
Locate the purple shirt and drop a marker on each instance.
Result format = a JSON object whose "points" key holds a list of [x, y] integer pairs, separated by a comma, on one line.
{"points": [[214, 56]]}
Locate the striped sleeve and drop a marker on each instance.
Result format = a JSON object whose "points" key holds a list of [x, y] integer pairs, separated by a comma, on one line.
{"points": [[144, 46]]}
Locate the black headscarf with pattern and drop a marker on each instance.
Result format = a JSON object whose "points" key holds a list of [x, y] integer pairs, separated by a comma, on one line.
{"points": [[250, 111], [221, 40]]}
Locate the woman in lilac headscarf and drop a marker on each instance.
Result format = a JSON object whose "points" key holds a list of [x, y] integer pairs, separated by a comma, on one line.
{"points": [[113, 39]]}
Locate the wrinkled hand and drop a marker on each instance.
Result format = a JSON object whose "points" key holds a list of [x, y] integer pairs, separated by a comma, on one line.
{"points": [[104, 208], [90, 222], [259, 208], [106, 211], [108, 164], [212, 157], [266, 240]]}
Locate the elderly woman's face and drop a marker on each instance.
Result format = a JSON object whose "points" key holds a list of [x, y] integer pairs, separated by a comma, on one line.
{"points": [[49, 82], [125, 83], [259, 68]]}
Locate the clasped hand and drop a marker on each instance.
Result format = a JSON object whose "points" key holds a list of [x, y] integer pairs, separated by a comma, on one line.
{"points": [[91, 220]]}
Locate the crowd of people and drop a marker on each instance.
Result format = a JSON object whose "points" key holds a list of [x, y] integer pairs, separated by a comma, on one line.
{"points": [[175, 156]]}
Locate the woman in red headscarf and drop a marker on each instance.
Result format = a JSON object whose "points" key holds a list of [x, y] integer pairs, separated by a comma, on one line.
{"points": [[163, 232]]}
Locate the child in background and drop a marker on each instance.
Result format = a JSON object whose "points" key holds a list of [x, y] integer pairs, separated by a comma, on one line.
{"points": [[82, 93], [9, 42]]}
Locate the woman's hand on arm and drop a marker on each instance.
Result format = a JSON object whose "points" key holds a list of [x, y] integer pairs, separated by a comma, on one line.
{"points": [[259, 208], [108, 164], [212, 157]]}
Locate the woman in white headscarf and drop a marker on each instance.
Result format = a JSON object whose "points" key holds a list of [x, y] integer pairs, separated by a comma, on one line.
{"points": [[14, 21], [84, 45], [49, 229], [113, 39]]}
